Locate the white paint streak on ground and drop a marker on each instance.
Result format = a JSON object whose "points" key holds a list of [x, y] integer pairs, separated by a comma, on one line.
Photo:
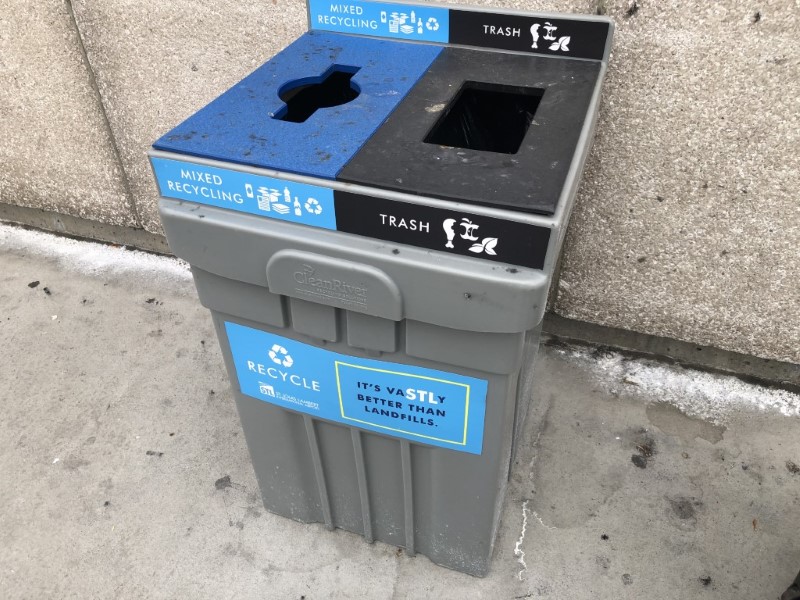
{"points": [[518, 551], [538, 518], [94, 258], [708, 396]]}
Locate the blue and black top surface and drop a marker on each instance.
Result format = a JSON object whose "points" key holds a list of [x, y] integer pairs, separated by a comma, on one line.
{"points": [[405, 130], [369, 121]]}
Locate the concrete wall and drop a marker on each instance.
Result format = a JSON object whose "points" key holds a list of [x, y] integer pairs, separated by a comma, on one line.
{"points": [[687, 224]]}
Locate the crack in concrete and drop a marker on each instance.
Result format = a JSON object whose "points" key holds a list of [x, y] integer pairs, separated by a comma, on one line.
{"points": [[93, 83]]}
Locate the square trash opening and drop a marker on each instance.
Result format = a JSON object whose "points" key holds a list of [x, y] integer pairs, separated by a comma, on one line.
{"points": [[488, 117]]}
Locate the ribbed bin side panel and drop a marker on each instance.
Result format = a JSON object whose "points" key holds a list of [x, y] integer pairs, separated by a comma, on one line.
{"points": [[384, 475], [341, 475], [278, 445], [525, 386]]}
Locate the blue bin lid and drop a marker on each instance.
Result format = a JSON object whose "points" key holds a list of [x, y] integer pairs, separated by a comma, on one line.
{"points": [[239, 126]]}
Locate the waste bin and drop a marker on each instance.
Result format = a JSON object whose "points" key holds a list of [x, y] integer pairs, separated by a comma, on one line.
{"points": [[373, 218]]}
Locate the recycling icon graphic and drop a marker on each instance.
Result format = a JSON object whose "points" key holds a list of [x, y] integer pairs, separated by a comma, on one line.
{"points": [[313, 206], [280, 356]]}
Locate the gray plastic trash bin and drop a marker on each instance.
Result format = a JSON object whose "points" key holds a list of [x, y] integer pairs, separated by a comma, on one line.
{"points": [[374, 225]]}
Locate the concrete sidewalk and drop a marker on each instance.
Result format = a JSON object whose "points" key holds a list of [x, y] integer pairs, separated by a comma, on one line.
{"points": [[126, 475]]}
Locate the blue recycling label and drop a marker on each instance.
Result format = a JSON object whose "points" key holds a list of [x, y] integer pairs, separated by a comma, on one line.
{"points": [[404, 401], [243, 192], [381, 19]]}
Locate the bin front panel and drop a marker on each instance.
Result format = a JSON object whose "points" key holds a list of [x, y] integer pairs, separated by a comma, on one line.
{"points": [[426, 498]]}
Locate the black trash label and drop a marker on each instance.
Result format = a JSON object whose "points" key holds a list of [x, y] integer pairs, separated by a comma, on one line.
{"points": [[442, 229], [524, 33]]}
